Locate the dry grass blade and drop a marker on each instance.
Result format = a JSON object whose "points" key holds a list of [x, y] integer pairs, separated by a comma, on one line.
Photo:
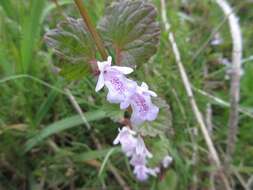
{"points": [[235, 75]]}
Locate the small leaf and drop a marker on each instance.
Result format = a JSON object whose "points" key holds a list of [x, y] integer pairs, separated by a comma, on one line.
{"points": [[130, 30], [72, 41]]}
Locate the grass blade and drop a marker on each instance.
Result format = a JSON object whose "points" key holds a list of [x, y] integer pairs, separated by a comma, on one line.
{"points": [[30, 30], [62, 125]]}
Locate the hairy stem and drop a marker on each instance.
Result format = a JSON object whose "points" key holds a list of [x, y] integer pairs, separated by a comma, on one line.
{"points": [[96, 37]]}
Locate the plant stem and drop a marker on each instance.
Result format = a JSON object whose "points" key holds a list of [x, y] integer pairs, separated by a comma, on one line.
{"points": [[95, 35]]}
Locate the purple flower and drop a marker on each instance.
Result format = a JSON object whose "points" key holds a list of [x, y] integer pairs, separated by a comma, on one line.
{"points": [[142, 106], [138, 159], [135, 148], [141, 148], [127, 140], [142, 172], [140, 154], [113, 77]]}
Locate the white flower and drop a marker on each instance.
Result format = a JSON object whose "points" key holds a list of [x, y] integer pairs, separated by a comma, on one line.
{"points": [[166, 161]]}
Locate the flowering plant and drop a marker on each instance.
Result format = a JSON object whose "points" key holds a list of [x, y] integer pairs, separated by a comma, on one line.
{"points": [[131, 35]]}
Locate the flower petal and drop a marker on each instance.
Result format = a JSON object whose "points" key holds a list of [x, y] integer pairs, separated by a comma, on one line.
{"points": [[123, 70], [109, 60], [136, 119], [144, 86], [153, 112], [112, 97], [100, 82], [141, 172], [124, 105], [116, 140], [101, 66], [167, 161], [145, 89], [152, 93]]}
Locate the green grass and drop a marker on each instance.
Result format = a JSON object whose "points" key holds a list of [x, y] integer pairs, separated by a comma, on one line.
{"points": [[44, 143]]}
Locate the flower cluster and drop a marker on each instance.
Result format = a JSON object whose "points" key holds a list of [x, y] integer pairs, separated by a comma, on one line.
{"points": [[126, 92], [135, 148]]}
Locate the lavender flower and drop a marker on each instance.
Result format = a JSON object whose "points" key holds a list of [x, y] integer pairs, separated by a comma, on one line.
{"points": [[127, 140], [113, 77], [135, 148], [139, 160], [143, 108], [141, 172], [141, 148]]}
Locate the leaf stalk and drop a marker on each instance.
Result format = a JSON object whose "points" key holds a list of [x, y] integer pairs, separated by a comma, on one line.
{"points": [[95, 35]]}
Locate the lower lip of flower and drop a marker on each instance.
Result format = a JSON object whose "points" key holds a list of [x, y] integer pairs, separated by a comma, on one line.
{"points": [[118, 85], [140, 103]]}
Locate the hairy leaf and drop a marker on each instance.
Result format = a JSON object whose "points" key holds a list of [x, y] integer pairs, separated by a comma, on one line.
{"points": [[129, 30], [72, 41], [73, 72]]}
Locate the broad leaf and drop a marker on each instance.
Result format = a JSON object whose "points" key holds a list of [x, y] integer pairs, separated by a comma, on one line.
{"points": [[129, 30], [74, 72], [72, 42]]}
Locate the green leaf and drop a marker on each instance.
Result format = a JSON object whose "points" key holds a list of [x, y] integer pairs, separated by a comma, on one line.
{"points": [[129, 30], [72, 41], [73, 72]]}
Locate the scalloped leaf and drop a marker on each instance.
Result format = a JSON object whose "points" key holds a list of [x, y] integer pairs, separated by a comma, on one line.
{"points": [[129, 30], [71, 41]]}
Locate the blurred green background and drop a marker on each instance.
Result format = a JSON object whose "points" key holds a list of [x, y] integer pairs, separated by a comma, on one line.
{"points": [[43, 141]]}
